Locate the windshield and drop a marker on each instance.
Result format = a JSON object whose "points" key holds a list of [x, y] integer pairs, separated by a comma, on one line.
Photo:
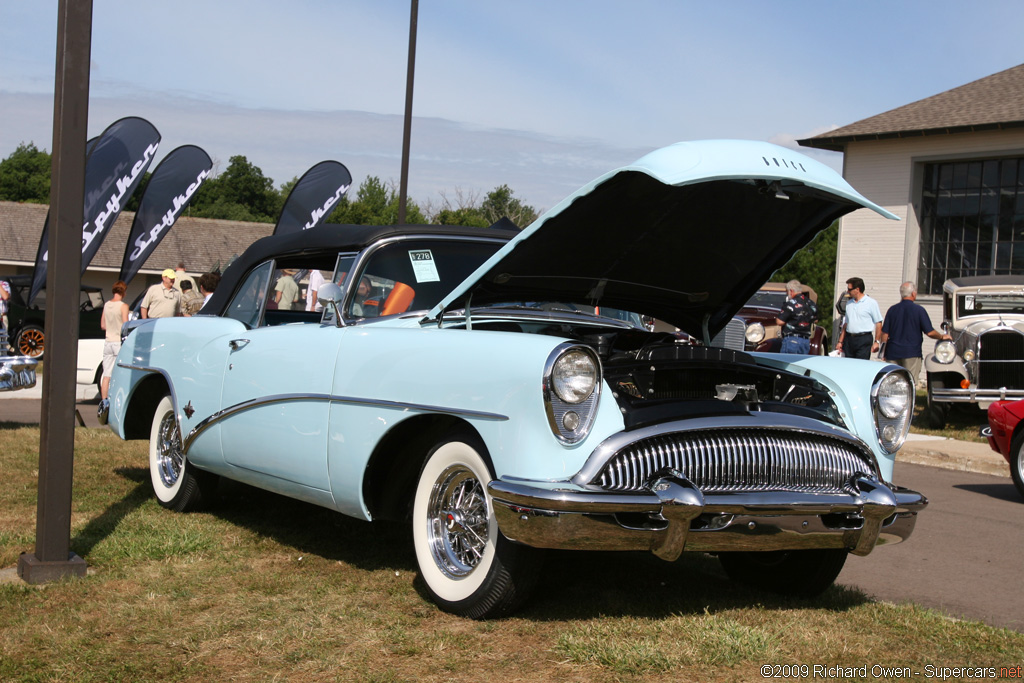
{"points": [[414, 274], [979, 303], [768, 299], [630, 318]]}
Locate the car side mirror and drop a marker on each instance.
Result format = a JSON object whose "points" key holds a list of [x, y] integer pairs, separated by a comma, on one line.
{"points": [[330, 294]]}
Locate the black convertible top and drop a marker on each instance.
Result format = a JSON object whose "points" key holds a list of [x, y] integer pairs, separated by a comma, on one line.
{"points": [[329, 240]]}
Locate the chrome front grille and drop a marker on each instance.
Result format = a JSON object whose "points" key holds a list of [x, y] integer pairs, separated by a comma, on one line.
{"points": [[722, 460], [732, 336], [1001, 360]]}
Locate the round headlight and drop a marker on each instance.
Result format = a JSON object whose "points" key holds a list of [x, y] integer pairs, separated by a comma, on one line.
{"points": [[574, 376], [968, 355], [755, 333], [945, 351], [894, 395]]}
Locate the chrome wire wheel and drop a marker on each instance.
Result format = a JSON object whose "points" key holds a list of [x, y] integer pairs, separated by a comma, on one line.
{"points": [[457, 521], [170, 458]]}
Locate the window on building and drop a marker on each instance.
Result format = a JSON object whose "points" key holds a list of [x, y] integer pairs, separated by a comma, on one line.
{"points": [[972, 220]]}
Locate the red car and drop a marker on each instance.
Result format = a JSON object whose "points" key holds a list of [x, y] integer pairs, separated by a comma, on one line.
{"points": [[1006, 436]]}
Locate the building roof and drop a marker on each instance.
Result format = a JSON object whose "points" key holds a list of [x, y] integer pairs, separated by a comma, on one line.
{"points": [[989, 103], [199, 243]]}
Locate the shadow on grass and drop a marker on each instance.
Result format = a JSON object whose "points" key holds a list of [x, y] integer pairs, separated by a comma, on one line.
{"points": [[104, 525], [574, 585], [11, 426], [583, 585], [312, 529]]}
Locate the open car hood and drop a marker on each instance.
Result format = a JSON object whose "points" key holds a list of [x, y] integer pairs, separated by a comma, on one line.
{"points": [[686, 234]]}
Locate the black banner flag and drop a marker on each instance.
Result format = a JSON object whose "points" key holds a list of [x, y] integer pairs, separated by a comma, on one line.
{"points": [[169, 191], [116, 161], [313, 197]]}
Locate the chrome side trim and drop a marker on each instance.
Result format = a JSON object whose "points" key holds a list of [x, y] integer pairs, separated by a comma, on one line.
{"points": [[209, 421]]}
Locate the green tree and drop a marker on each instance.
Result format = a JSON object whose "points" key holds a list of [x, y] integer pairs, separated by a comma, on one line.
{"points": [[501, 203], [240, 193], [25, 175], [815, 266], [375, 204]]}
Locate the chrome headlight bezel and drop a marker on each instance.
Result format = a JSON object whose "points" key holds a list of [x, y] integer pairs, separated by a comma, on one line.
{"points": [[570, 420], [945, 352], [754, 333], [892, 412]]}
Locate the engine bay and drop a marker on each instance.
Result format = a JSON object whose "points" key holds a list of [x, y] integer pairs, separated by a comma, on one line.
{"points": [[659, 376]]}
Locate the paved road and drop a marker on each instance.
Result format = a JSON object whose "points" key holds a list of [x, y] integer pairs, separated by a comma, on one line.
{"points": [[966, 555]]}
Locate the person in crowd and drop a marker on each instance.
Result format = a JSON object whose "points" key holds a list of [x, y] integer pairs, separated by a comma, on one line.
{"points": [[5, 295], [191, 300], [181, 276], [287, 290], [208, 285], [902, 328], [862, 333], [797, 319], [360, 306], [162, 300], [115, 314], [316, 279]]}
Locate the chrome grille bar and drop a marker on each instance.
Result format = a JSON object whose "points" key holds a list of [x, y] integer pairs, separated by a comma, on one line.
{"points": [[738, 460]]}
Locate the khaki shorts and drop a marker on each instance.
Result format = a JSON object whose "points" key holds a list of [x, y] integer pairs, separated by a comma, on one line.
{"points": [[110, 350], [911, 364]]}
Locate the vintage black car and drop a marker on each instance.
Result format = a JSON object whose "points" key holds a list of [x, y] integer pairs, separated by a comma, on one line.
{"points": [[25, 331]]}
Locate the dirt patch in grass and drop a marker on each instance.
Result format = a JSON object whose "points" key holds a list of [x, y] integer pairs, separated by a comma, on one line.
{"points": [[266, 588]]}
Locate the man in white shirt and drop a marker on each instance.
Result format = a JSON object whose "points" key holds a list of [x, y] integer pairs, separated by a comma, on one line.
{"points": [[316, 279], [862, 333]]}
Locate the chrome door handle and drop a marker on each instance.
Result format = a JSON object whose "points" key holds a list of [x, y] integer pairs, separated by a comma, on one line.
{"points": [[236, 344]]}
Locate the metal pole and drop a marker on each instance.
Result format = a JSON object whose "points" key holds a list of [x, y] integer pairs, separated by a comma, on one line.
{"points": [[403, 189], [53, 558]]}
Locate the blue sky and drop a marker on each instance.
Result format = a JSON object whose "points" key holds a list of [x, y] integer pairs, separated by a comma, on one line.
{"points": [[542, 95]]}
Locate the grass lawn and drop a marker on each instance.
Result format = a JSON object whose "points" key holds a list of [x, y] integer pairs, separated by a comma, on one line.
{"points": [[265, 588], [962, 422]]}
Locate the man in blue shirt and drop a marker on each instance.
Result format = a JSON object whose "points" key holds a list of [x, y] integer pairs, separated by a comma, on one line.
{"points": [[902, 329], [863, 330]]}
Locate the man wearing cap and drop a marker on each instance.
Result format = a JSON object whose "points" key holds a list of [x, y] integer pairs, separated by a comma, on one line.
{"points": [[162, 300]]}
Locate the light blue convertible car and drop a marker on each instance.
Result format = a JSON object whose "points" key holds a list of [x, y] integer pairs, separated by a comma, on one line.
{"points": [[495, 388]]}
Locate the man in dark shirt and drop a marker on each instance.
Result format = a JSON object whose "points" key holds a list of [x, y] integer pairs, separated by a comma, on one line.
{"points": [[904, 324], [797, 319]]}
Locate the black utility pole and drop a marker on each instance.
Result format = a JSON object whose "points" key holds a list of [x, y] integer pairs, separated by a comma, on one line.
{"points": [[53, 558], [403, 189]]}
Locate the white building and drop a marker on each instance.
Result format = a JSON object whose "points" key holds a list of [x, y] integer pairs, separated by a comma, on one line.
{"points": [[951, 165]]}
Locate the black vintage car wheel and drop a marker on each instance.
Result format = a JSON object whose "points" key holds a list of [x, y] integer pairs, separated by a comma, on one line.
{"points": [[468, 567], [30, 341], [177, 485], [800, 573]]}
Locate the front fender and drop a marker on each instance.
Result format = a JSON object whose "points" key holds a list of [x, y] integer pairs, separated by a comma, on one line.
{"points": [[189, 353], [933, 366], [849, 381]]}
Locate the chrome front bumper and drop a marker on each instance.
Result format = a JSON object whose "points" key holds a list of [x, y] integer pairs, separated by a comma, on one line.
{"points": [[672, 515], [17, 372], [975, 395]]}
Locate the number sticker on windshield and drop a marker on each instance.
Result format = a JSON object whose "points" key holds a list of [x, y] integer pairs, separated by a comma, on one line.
{"points": [[423, 266]]}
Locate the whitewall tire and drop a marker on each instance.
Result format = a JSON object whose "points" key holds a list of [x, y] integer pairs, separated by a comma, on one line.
{"points": [[177, 485], [468, 567]]}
